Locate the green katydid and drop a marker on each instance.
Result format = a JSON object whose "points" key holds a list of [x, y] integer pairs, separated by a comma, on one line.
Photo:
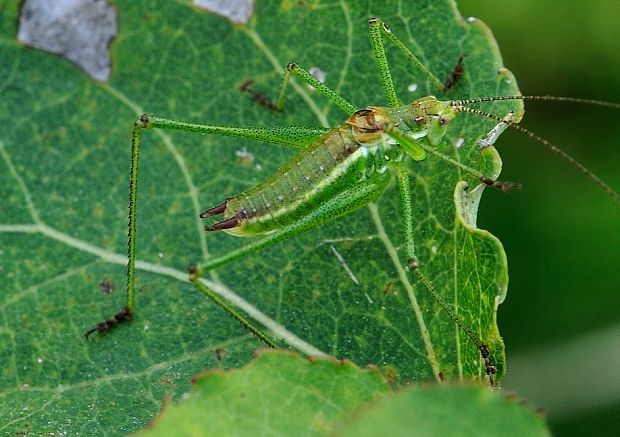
{"points": [[336, 171]]}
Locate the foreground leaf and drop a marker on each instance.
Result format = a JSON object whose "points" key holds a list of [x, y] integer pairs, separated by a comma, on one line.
{"points": [[301, 398], [320, 397], [446, 410], [65, 156]]}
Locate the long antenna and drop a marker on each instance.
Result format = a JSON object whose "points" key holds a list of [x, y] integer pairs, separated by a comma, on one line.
{"points": [[552, 98], [594, 178]]}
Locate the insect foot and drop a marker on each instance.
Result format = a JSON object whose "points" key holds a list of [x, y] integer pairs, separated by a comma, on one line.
{"points": [[486, 356], [259, 98], [143, 121], [106, 325], [376, 21], [490, 369], [505, 186], [194, 272], [413, 264]]}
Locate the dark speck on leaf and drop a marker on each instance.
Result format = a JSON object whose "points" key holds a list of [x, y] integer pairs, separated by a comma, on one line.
{"points": [[107, 286]]}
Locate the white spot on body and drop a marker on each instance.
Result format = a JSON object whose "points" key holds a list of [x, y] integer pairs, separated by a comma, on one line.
{"points": [[344, 265], [39, 360], [412, 87], [459, 143], [418, 135], [79, 30], [471, 20], [237, 11], [434, 250]]}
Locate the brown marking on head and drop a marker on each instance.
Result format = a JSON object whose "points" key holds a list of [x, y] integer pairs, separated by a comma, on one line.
{"points": [[365, 126]]}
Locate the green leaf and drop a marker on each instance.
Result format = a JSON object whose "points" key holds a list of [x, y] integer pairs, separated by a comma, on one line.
{"points": [[65, 159], [329, 397], [302, 398], [445, 410]]}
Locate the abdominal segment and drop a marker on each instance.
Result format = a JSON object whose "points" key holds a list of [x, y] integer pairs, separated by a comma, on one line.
{"points": [[333, 164]]}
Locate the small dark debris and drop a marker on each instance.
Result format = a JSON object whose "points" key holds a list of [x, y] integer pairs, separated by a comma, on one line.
{"points": [[457, 72], [220, 353], [107, 286]]}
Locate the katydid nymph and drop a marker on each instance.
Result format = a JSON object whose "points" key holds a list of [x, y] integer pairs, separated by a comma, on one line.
{"points": [[338, 171]]}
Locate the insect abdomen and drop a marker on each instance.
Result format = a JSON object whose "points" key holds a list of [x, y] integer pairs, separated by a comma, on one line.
{"points": [[294, 189], [325, 168]]}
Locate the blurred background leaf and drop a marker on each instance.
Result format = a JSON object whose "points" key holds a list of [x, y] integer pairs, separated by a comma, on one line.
{"points": [[561, 319]]}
